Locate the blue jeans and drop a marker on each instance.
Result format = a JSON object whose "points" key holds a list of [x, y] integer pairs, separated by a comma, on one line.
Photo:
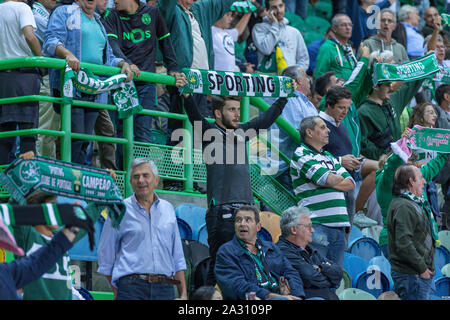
{"points": [[330, 242], [130, 288], [299, 7], [411, 286]]}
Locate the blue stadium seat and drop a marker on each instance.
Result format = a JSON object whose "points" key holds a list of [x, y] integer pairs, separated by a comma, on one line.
{"points": [[366, 248], [202, 235], [81, 250], [354, 266], [193, 215], [185, 229], [385, 267], [355, 234], [441, 257], [444, 237], [443, 287], [374, 281]]}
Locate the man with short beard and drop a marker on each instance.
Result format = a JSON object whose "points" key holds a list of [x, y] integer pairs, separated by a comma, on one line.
{"points": [[227, 166]]}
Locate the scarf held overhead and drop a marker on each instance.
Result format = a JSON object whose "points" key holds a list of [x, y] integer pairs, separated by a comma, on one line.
{"points": [[430, 139], [225, 83], [124, 96], [243, 6], [420, 68], [23, 177]]}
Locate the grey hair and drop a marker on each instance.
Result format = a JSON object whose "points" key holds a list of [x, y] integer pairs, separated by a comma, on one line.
{"points": [[404, 12], [290, 217], [140, 161], [307, 123], [294, 72], [425, 41], [335, 20], [391, 12]]}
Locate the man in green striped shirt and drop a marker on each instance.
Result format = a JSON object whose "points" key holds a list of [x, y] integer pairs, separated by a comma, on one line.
{"points": [[319, 182]]}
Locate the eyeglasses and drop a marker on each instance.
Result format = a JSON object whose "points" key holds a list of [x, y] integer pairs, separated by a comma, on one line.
{"points": [[386, 21], [307, 226], [346, 25]]}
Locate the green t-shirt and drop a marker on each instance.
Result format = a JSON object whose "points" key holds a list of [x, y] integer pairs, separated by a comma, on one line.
{"points": [[56, 283]]}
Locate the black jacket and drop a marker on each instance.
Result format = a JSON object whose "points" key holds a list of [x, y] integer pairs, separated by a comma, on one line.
{"points": [[308, 263]]}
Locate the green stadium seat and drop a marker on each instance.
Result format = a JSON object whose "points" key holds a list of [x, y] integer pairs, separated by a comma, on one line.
{"points": [[102, 295], [317, 24], [355, 294], [323, 9], [296, 21]]}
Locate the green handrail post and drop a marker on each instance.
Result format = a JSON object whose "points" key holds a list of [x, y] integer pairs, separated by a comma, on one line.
{"points": [[188, 157], [128, 134], [245, 109]]}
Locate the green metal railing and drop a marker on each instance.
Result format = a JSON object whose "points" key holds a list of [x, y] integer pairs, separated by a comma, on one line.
{"points": [[188, 166]]}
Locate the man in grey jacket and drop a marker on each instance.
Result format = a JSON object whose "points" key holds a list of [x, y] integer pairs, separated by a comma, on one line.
{"points": [[383, 40], [275, 30]]}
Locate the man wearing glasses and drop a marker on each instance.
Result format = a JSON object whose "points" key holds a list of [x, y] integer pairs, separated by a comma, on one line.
{"points": [[383, 40], [320, 276]]}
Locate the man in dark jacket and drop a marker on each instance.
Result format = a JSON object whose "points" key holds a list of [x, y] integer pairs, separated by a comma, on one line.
{"points": [[320, 276], [412, 232], [246, 264]]}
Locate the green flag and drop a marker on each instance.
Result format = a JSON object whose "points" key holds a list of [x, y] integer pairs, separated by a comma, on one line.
{"points": [[243, 6], [430, 139]]}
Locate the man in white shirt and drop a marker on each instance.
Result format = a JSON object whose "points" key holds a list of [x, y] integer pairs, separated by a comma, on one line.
{"points": [[17, 39]]}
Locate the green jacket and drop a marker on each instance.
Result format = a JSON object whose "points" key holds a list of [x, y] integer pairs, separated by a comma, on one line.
{"points": [[384, 179], [411, 245], [375, 118], [359, 84], [331, 57], [207, 12]]}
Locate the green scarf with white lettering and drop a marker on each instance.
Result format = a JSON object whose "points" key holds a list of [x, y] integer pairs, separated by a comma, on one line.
{"points": [[243, 6], [224, 83], [24, 177], [430, 139], [124, 96], [420, 68]]}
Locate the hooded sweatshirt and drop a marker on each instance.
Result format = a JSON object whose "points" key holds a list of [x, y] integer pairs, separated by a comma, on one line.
{"points": [[267, 34], [375, 43]]}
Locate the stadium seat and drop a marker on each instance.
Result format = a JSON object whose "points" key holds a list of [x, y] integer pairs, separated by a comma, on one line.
{"points": [[441, 257], [446, 270], [296, 21], [346, 282], [81, 250], [102, 295], [323, 9], [355, 294], [366, 248], [263, 234], [354, 266], [372, 232], [443, 287], [444, 237], [374, 281], [355, 234], [193, 215], [202, 235], [185, 229], [317, 24], [434, 297], [271, 222]]}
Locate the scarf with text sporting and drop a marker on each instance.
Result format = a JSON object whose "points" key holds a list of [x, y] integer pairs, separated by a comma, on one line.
{"points": [[23, 177], [420, 68], [224, 83], [427, 209], [243, 6], [50, 214], [430, 139], [124, 96]]}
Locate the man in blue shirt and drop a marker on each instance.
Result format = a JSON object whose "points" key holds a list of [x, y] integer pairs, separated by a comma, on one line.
{"points": [[144, 258], [409, 17]]}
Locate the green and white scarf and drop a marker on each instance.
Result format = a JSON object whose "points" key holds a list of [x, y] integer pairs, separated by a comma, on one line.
{"points": [[23, 177], [50, 214], [420, 68], [430, 139], [423, 203], [124, 96], [445, 19], [223, 83], [243, 6]]}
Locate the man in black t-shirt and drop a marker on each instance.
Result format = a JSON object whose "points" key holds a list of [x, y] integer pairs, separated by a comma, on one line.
{"points": [[133, 29]]}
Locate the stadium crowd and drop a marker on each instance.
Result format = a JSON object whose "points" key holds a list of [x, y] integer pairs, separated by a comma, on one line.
{"points": [[352, 168]]}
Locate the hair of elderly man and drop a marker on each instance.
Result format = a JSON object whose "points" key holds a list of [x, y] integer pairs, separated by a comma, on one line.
{"points": [[425, 41], [307, 123], [390, 11], [290, 217], [255, 210], [335, 20], [140, 161], [294, 72], [404, 11]]}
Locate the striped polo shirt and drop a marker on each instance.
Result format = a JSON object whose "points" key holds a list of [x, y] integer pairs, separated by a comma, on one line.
{"points": [[309, 171]]}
